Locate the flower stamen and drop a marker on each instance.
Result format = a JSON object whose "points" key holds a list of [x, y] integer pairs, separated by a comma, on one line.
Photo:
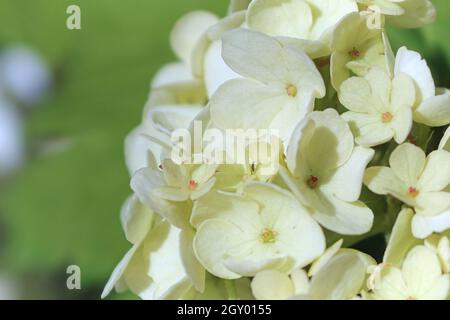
{"points": [[387, 117], [291, 91], [312, 182], [192, 185], [413, 192], [268, 236], [354, 53]]}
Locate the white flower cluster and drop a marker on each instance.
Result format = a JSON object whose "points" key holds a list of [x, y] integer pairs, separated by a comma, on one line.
{"points": [[349, 113]]}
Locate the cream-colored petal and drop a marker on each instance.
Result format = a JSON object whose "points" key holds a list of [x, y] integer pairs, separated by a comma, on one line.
{"points": [[432, 203], [272, 285], [325, 258], [368, 128], [290, 18], [381, 180], [436, 175], [420, 270], [439, 290], [412, 64], [346, 182], [238, 5], [401, 239], [402, 124], [136, 219], [348, 218], [194, 269], [301, 281], [391, 285], [341, 278], [244, 104], [188, 30], [434, 111], [408, 162], [403, 92], [177, 72], [423, 226], [355, 95]]}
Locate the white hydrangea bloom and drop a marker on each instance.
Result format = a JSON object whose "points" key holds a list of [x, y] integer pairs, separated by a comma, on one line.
{"points": [[325, 172], [275, 93]]}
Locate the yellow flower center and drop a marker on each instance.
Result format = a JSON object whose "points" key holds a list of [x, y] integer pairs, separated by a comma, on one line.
{"points": [[387, 117], [192, 185], [312, 182], [291, 91], [268, 236]]}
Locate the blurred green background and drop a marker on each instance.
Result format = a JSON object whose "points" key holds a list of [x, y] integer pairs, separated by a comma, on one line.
{"points": [[63, 206]]}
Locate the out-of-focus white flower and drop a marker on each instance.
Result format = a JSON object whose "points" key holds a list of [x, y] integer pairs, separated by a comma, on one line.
{"points": [[11, 138], [24, 74], [432, 105], [276, 93], [325, 172], [264, 228], [380, 108]]}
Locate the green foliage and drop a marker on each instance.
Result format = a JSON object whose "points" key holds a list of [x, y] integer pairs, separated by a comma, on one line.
{"points": [[63, 208]]}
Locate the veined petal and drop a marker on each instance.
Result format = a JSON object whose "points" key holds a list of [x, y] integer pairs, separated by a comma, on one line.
{"points": [[368, 128], [432, 203], [381, 180], [420, 270], [244, 104], [408, 162], [436, 175], [355, 95], [391, 285], [346, 181], [290, 18], [214, 238], [434, 111], [439, 290]]}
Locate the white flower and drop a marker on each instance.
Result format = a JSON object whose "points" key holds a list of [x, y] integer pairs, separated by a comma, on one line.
{"points": [[265, 228], [418, 181], [161, 264], [417, 13], [11, 138], [341, 276], [310, 22], [432, 105], [380, 108], [419, 278], [357, 52], [279, 89], [326, 172], [24, 75]]}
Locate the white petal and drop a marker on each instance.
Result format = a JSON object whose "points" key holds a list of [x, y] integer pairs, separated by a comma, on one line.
{"points": [[436, 175], [445, 142], [412, 64], [434, 111], [349, 218], [417, 14], [188, 30], [272, 285], [172, 73], [324, 258], [408, 161], [346, 181], [402, 124], [193, 268], [368, 128], [423, 226], [382, 180], [136, 219]]}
